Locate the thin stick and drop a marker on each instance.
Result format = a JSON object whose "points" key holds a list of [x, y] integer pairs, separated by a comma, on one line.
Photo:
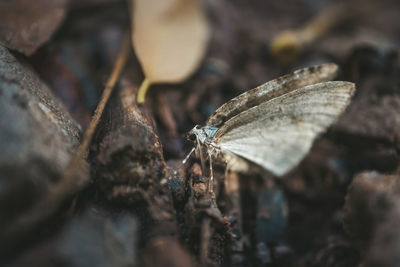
{"points": [[206, 234], [87, 138], [141, 96], [70, 179], [326, 20], [289, 43]]}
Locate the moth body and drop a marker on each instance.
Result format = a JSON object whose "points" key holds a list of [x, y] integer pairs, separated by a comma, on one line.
{"points": [[203, 135]]}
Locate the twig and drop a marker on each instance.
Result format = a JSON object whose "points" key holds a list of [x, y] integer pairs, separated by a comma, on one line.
{"points": [[87, 138], [206, 234], [165, 113], [288, 44]]}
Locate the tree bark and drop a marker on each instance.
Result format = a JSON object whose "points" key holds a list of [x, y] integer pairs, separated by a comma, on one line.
{"points": [[130, 171]]}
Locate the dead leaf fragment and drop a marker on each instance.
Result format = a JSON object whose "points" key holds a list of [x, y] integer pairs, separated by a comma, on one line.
{"points": [[169, 38]]}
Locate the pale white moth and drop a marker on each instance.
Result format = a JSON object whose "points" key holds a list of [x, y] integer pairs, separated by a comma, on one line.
{"points": [[273, 125]]}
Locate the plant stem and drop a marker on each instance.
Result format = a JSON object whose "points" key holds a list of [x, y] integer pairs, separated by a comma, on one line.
{"points": [[141, 96]]}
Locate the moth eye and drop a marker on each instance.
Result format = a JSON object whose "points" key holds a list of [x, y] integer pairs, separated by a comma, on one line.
{"points": [[191, 137]]}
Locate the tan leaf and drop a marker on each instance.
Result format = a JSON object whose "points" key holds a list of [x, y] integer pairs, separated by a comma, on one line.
{"points": [[169, 38]]}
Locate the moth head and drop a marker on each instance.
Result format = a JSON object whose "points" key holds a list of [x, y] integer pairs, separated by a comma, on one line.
{"points": [[202, 135], [192, 134]]}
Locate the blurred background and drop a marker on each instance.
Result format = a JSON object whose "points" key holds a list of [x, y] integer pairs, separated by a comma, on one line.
{"points": [[339, 207]]}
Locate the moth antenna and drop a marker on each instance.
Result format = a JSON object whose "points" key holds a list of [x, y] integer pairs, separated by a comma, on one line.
{"points": [[188, 156]]}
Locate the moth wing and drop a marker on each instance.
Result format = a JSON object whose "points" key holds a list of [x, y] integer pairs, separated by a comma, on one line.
{"points": [[282, 85], [277, 134]]}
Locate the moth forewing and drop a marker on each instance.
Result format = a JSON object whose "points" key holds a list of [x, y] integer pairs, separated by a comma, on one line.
{"points": [[278, 133], [272, 89], [275, 124]]}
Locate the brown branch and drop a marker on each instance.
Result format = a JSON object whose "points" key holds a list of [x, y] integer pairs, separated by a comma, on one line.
{"points": [[130, 171]]}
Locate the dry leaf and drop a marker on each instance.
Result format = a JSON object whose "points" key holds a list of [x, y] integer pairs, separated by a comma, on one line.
{"points": [[169, 37]]}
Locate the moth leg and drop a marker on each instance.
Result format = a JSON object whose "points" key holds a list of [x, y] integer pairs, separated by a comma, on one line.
{"points": [[203, 164], [188, 155], [211, 181]]}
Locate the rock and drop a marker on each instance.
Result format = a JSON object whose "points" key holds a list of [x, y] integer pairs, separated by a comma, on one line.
{"points": [[25, 26], [369, 201], [38, 138]]}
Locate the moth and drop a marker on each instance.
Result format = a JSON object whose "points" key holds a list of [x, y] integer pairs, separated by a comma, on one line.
{"points": [[273, 125]]}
